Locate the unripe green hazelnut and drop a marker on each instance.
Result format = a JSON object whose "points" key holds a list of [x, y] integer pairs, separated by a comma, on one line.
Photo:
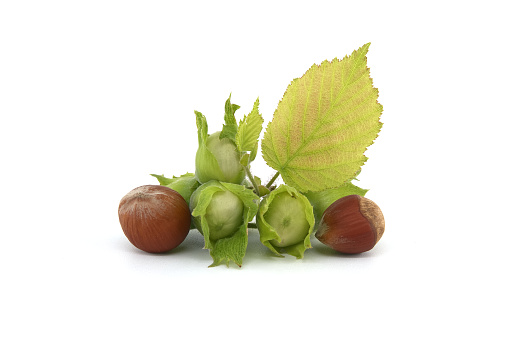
{"points": [[218, 159], [223, 210], [224, 215], [285, 221], [287, 216]]}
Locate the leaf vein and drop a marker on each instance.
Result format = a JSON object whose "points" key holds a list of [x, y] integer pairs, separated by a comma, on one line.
{"points": [[317, 126], [311, 183], [346, 141], [314, 168]]}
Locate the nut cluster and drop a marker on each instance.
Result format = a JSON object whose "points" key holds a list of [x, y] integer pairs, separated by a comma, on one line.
{"points": [[222, 198]]}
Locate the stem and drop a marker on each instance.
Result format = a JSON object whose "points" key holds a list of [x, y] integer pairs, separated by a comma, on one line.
{"points": [[273, 179], [255, 186]]}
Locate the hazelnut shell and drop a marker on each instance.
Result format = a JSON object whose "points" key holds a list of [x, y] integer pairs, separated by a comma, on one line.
{"points": [[154, 218], [352, 224]]}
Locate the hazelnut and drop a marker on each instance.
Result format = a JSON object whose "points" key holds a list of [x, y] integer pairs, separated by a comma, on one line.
{"points": [[352, 224], [154, 218]]}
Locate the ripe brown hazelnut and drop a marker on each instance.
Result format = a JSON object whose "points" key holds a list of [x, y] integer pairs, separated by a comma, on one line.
{"points": [[352, 224], [154, 218]]}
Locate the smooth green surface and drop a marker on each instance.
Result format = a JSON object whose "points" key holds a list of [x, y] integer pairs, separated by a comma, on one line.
{"points": [[227, 157], [224, 214], [287, 216]]}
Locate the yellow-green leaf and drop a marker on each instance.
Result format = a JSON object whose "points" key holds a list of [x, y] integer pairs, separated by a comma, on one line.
{"points": [[247, 136], [323, 124]]}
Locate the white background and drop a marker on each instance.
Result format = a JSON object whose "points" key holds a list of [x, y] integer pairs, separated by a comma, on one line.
{"points": [[96, 95]]}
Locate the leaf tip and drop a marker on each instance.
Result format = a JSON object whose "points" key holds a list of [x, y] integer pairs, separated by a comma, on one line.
{"points": [[364, 49]]}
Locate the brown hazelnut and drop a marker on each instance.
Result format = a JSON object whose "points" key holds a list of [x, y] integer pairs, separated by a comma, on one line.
{"points": [[154, 218], [352, 224]]}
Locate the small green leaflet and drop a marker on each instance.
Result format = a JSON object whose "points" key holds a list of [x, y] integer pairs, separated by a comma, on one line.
{"points": [[245, 159], [230, 128], [185, 185], [247, 136], [201, 127], [323, 199], [323, 124]]}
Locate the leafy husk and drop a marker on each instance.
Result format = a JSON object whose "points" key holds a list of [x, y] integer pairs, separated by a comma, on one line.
{"points": [[323, 199], [233, 247], [185, 184], [207, 167], [268, 233]]}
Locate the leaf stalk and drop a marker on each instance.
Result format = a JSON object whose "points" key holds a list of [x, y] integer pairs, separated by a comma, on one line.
{"points": [[252, 180], [273, 179]]}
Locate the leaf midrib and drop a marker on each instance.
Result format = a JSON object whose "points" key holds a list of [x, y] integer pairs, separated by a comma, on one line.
{"points": [[289, 159]]}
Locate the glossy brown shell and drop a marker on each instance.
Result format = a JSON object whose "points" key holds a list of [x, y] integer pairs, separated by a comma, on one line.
{"points": [[154, 218], [352, 224]]}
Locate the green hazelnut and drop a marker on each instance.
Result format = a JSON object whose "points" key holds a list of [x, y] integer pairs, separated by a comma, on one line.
{"points": [[287, 216], [218, 159], [224, 214], [285, 221]]}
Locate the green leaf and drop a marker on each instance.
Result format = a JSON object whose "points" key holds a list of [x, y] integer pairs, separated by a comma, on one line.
{"points": [[253, 154], [247, 136], [201, 127], [232, 247], [323, 199], [230, 110], [230, 128], [291, 217], [323, 124], [185, 185], [263, 190], [229, 132], [245, 159]]}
